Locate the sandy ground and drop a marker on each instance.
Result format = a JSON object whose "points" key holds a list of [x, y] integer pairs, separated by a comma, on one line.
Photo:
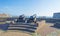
{"points": [[44, 29], [13, 33]]}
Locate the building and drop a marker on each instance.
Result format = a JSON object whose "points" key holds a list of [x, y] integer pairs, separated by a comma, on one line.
{"points": [[4, 15], [56, 15]]}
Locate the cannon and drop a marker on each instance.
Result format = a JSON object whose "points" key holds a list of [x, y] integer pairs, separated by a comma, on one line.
{"points": [[32, 19], [21, 18]]}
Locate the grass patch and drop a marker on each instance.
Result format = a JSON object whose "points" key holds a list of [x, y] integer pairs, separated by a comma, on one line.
{"points": [[2, 22]]}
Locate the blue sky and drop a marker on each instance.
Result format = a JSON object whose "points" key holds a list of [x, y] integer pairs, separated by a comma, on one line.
{"points": [[29, 7]]}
